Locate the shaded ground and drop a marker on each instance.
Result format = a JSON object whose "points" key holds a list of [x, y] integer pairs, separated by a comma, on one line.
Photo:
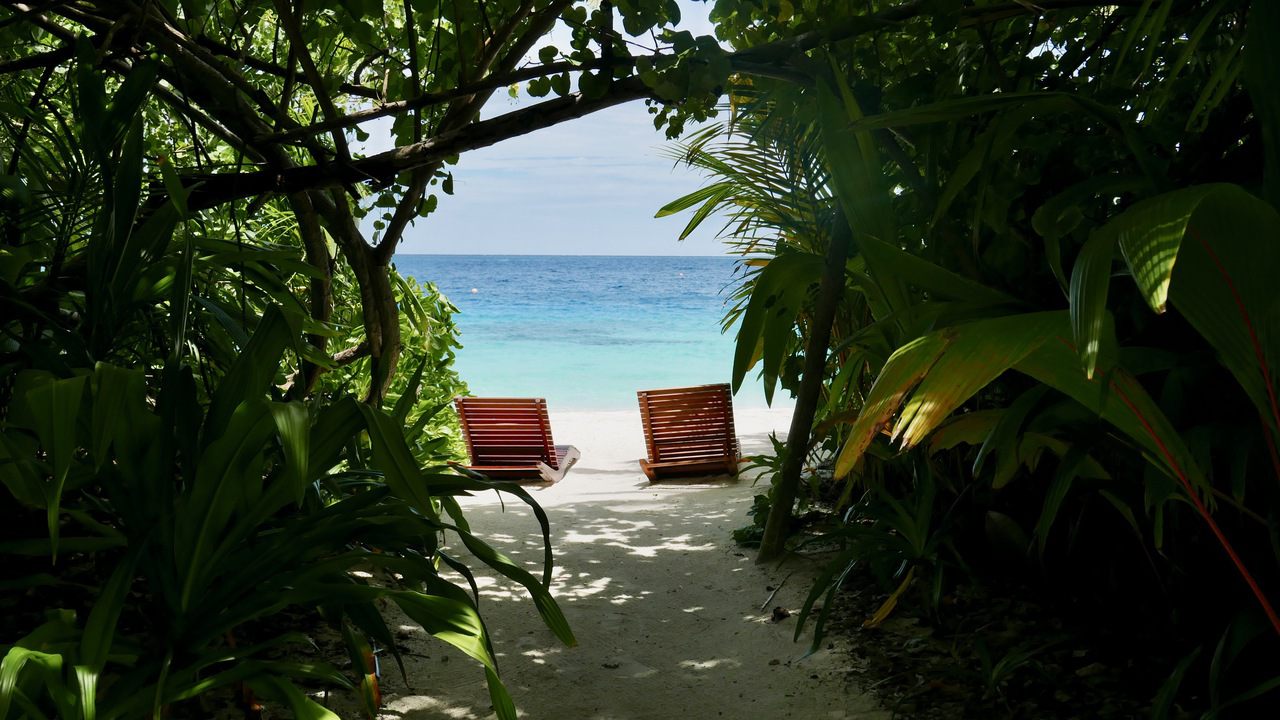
{"points": [[669, 614], [1000, 654]]}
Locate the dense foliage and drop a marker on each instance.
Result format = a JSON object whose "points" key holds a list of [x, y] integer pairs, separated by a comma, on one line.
{"points": [[175, 495], [1013, 259], [1041, 238], [221, 403]]}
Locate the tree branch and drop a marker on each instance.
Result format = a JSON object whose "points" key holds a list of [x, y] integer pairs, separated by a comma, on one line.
{"points": [[292, 23], [268, 68], [383, 167], [39, 60]]}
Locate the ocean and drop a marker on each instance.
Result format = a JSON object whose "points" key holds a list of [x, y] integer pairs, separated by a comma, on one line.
{"points": [[587, 332]]}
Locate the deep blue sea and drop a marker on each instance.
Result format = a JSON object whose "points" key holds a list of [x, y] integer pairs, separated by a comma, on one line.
{"points": [[586, 332]]}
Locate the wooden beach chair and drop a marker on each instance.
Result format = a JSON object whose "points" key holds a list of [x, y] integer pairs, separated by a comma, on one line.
{"points": [[510, 438], [688, 431]]}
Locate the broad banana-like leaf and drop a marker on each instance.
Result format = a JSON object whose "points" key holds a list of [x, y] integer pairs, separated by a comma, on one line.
{"points": [[971, 428], [1214, 252], [1119, 399], [941, 370], [902, 372], [936, 373], [973, 356]]}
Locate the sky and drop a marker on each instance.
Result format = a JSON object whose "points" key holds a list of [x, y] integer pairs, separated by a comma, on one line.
{"points": [[588, 186]]}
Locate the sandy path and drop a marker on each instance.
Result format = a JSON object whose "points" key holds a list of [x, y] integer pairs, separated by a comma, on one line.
{"points": [[665, 607]]}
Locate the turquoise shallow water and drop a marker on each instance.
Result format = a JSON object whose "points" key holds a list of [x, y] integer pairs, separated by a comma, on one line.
{"points": [[586, 332]]}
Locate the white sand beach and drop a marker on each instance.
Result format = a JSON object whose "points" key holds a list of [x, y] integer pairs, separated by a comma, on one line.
{"points": [[670, 616]]}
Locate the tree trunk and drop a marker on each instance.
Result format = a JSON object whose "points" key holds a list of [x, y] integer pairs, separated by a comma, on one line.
{"points": [[387, 355], [378, 306], [320, 294], [830, 291]]}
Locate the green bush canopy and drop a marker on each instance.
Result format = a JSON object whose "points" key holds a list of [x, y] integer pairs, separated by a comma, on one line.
{"points": [[1014, 260]]}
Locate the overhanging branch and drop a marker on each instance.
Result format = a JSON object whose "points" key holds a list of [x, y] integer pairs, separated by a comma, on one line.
{"points": [[383, 168]]}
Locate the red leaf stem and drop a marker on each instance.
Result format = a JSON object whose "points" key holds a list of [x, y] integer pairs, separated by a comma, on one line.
{"points": [[1200, 507], [1253, 339]]}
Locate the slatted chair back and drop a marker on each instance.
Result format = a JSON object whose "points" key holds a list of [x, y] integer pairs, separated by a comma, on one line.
{"points": [[507, 431], [688, 425]]}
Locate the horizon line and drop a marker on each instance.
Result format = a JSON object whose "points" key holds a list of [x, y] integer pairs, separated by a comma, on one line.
{"points": [[408, 254]]}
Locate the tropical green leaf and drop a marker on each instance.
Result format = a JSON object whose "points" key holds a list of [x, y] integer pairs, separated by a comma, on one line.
{"points": [[334, 426], [1199, 248], [859, 184], [974, 355], [540, 594], [781, 290], [1119, 399], [99, 630], [1262, 78], [392, 456], [54, 407], [503, 706], [709, 197], [993, 144], [454, 622], [229, 475], [114, 389], [1162, 705], [971, 428], [1062, 213], [302, 707], [1063, 479], [901, 373], [1088, 296], [48, 667], [293, 428], [1004, 437], [249, 377], [963, 107]]}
